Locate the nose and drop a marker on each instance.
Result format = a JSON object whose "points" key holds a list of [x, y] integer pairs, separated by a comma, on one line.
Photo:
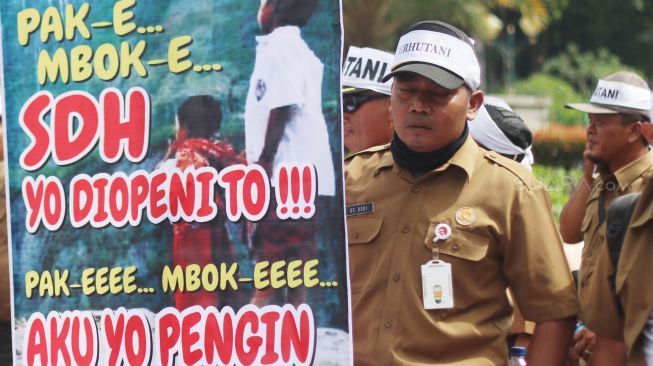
{"points": [[591, 128], [419, 105], [345, 117]]}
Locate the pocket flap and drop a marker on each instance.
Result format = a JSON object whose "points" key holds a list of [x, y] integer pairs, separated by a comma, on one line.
{"points": [[587, 220], [463, 244], [467, 245], [362, 230]]}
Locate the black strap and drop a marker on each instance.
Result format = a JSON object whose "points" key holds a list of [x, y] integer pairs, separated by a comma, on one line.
{"points": [[601, 208], [619, 214]]}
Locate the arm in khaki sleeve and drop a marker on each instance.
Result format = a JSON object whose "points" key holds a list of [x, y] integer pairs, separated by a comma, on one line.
{"points": [[538, 274], [534, 262], [573, 213], [608, 352], [550, 342]]}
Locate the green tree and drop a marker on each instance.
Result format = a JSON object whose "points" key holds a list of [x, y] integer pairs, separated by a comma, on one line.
{"points": [[583, 69], [621, 27], [560, 91], [377, 23]]}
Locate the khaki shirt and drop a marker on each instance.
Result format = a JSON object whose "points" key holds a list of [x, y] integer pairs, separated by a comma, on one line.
{"points": [[634, 274], [506, 236], [597, 304]]}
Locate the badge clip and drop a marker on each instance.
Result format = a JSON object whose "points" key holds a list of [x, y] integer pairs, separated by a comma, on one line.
{"points": [[442, 232]]}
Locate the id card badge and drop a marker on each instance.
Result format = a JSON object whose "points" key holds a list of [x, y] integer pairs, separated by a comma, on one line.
{"points": [[437, 286]]}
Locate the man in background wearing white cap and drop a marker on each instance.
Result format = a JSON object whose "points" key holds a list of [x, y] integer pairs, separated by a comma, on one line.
{"points": [[617, 110], [438, 228], [367, 120], [498, 128], [634, 273]]}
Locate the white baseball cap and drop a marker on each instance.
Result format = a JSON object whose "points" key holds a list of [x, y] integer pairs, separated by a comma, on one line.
{"points": [[364, 69], [621, 92], [440, 52]]}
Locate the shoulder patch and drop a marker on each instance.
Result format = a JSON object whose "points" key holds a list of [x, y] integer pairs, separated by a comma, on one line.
{"points": [[512, 166], [371, 150]]}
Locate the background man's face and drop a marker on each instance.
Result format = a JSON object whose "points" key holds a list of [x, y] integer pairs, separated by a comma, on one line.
{"points": [[426, 116], [607, 137], [369, 125]]}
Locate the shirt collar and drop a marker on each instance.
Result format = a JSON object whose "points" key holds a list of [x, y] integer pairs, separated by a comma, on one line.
{"points": [[629, 173], [464, 158], [280, 32]]}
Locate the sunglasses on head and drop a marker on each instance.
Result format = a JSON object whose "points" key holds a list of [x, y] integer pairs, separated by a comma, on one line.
{"points": [[351, 102]]}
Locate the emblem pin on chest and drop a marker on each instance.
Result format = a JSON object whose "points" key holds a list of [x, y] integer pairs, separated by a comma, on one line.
{"points": [[465, 216], [442, 232]]}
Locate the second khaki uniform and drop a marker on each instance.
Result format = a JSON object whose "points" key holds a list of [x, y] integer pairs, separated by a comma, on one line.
{"points": [[634, 274], [597, 304], [502, 234]]}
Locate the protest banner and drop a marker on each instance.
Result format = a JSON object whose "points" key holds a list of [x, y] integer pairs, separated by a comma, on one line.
{"points": [[174, 182]]}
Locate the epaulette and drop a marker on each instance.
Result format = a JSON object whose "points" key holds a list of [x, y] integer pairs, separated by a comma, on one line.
{"points": [[512, 166], [371, 150]]}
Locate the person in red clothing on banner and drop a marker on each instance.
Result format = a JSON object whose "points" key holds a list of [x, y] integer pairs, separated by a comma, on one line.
{"points": [[197, 144]]}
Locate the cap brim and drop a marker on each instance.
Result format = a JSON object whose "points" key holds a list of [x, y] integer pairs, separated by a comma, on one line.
{"points": [[437, 74], [590, 108], [385, 90], [351, 90]]}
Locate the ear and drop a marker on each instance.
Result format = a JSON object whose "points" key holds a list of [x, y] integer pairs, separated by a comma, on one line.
{"points": [[647, 131], [635, 132], [475, 102], [388, 115]]}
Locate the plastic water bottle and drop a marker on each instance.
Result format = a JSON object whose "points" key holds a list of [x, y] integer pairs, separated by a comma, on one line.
{"points": [[517, 356]]}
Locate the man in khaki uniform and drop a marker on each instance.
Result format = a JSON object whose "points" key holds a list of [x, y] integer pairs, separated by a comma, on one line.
{"points": [[434, 194], [634, 273], [615, 144]]}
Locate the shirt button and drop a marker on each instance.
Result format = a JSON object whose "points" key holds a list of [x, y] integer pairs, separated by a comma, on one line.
{"points": [[455, 246], [404, 229], [388, 324], [415, 189], [356, 234], [396, 277]]}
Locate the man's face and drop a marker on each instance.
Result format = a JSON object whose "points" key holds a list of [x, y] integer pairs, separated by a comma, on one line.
{"points": [[428, 117], [608, 137], [370, 124]]}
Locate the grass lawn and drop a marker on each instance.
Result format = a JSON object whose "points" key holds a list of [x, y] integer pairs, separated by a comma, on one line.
{"points": [[560, 182]]}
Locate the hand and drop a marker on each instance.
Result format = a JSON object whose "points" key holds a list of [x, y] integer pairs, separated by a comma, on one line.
{"points": [[582, 344]]}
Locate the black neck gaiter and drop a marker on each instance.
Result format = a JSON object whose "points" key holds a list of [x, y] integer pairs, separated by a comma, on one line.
{"points": [[419, 162]]}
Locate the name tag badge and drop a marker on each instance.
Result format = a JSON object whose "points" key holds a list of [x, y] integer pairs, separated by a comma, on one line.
{"points": [[437, 286], [362, 209]]}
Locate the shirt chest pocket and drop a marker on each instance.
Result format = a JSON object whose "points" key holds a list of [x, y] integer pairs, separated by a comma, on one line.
{"points": [[363, 252], [464, 243]]}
